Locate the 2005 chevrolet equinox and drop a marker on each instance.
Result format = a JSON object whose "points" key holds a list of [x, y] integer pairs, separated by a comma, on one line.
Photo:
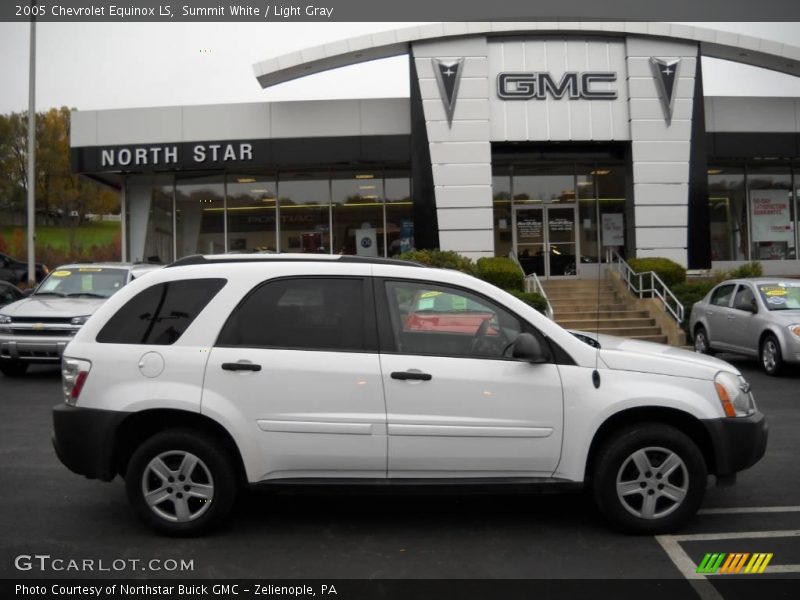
{"points": [[267, 369]]}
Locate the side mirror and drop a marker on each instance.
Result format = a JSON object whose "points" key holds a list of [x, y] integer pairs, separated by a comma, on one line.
{"points": [[528, 348]]}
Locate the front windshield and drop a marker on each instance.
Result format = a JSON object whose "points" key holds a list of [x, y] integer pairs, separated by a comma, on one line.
{"points": [[87, 282], [782, 295]]}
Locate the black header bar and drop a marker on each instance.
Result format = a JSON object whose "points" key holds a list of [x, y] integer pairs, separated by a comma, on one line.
{"points": [[255, 11]]}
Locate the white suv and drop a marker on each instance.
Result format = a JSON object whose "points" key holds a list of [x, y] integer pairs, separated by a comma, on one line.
{"points": [[272, 369]]}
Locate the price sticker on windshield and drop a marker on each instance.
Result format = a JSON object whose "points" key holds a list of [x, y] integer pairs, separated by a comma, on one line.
{"points": [[61, 273]]}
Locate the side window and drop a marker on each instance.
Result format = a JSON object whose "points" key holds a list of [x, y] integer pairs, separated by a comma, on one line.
{"points": [[745, 298], [722, 295], [160, 314], [437, 320], [311, 313]]}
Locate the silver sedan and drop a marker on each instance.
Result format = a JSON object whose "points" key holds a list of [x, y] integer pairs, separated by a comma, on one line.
{"points": [[758, 316]]}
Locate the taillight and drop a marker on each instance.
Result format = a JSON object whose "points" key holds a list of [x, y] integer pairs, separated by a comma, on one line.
{"points": [[73, 377]]}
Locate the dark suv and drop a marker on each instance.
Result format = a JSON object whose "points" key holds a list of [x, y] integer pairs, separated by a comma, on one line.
{"points": [[15, 271]]}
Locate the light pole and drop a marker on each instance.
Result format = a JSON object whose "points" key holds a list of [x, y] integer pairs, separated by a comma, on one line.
{"points": [[32, 156]]}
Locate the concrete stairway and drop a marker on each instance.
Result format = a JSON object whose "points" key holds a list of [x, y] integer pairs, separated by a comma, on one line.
{"points": [[592, 306]]}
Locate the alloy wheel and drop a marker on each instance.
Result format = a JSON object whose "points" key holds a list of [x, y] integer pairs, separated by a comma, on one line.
{"points": [[652, 482], [177, 486]]}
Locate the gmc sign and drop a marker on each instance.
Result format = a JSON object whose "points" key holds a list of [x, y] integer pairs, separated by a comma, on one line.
{"points": [[574, 85]]}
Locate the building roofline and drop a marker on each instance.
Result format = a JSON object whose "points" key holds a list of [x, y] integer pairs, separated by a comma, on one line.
{"points": [[767, 54]]}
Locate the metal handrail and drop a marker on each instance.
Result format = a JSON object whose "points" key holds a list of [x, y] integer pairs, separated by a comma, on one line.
{"points": [[636, 284], [532, 284]]}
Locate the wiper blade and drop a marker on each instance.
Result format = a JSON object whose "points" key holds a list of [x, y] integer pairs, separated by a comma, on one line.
{"points": [[59, 294], [88, 294]]}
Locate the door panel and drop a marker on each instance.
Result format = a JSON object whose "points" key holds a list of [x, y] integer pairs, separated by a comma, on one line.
{"points": [[717, 315], [743, 324], [457, 405], [314, 414], [474, 418], [313, 404]]}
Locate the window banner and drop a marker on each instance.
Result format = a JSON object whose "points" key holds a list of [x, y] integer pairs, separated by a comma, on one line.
{"points": [[771, 213], [613, 229]]}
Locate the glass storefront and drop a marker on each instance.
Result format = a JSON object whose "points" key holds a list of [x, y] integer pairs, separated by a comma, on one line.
{"points": [[549, 214], [364, 212], [753, 211]]}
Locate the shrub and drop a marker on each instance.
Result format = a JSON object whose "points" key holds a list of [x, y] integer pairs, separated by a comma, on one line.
{"points": [[670, 272], [752, 269], [535, 300], [444, 259], [502, 272], [688, 293]]}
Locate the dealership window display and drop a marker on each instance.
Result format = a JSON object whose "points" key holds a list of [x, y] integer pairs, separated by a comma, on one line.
{"points": [[199, 227], [251, 213], [771, 213]]}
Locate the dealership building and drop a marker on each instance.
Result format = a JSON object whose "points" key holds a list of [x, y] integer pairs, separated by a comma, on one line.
{"points": [[560, 141]]}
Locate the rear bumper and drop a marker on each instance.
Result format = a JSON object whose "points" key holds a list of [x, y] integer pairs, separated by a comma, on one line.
{"points": [[737, 443], [83, 439]]}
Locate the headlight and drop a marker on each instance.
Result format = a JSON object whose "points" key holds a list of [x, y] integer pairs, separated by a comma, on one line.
{"points": [[79, 320], [5, 321], [795, 328], [734, 395]]}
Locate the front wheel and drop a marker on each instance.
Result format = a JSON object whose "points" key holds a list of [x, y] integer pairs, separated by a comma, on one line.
{"points": [[13, 368], [181, 482], [770, 355], [649, 478]]}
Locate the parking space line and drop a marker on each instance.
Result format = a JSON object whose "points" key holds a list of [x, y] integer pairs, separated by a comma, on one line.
{"points": [[702, 586], [748, 509], [736, 535], [671, 545]]}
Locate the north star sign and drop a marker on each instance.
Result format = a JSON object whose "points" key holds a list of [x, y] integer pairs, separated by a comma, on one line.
{"points": [[169, 155], [538, 86]]}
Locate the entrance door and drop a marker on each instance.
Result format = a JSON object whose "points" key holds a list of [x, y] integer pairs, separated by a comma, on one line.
{"points": [[545, 239]]}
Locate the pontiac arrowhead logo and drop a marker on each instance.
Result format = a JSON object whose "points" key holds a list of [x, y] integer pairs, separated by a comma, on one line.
{"points": [[665, 71], [448, 75]]}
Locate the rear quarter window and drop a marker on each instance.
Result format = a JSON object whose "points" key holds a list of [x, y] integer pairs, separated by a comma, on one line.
{"points": [[160, 314]]}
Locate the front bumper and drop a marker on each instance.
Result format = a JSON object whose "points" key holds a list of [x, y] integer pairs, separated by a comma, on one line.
{"points": [[44, 349], [737, 443], [83, 439]]}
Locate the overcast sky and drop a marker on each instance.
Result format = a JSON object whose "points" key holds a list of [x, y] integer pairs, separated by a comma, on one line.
{"points": [[122, 65]]}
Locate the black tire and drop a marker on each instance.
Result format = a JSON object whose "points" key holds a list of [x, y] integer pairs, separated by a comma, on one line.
{"points": [[702, 344], [13, 368], [616, 464], [770, 356], [215, 467]]}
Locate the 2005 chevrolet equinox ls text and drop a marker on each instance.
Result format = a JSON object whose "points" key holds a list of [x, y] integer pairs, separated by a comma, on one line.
{"points": [[219, 371]]}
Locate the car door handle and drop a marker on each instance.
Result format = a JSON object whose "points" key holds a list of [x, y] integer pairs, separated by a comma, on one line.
{"points": [[731, 317], [239, 366], [416, 375]]}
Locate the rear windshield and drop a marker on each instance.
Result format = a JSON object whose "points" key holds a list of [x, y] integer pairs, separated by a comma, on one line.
{"points": [[782, 295], [88, 282]]}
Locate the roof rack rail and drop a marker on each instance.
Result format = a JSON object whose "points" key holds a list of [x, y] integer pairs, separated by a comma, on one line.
{"points": [[200, 259]]}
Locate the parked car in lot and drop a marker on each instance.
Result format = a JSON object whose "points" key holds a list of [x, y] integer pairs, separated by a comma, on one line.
{"points": [[36, 329], [758, 316], [14, 271], [9, 293], [273, 369]]}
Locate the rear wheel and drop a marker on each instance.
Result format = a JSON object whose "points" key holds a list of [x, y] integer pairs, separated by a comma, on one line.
{"points": [[701, 343], [181, 482], [770, 355], [13, 368], [649, 478]]}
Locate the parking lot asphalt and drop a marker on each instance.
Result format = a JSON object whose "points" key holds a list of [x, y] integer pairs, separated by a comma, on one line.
{"points": [[49, 510]]}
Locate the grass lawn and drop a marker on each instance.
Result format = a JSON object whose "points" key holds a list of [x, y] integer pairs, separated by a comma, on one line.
{"points": [[85, 236]]}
